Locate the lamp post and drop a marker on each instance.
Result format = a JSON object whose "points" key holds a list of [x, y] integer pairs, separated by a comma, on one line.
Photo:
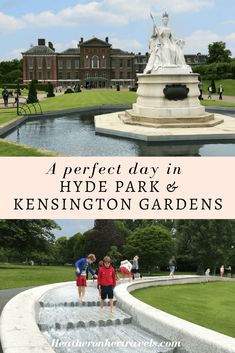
{"points": [[17, 97]]}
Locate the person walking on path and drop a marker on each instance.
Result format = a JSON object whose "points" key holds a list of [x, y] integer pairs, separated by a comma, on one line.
{"points": [[209, 92], [5, 96], [135, 267], [125, 269], [222, 271], [172, 266], [220, 91], [106, 282], [82, 267]]}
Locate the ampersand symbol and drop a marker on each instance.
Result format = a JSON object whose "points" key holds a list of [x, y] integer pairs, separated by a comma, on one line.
{"points": [[171, 187]]}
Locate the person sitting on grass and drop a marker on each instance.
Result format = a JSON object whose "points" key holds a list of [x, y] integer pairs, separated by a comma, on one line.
{"points": [[106, 282], [83, 266]]}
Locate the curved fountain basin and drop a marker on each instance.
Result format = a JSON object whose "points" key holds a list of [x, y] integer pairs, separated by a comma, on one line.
{"points": [[65, 320], [194, 338]]}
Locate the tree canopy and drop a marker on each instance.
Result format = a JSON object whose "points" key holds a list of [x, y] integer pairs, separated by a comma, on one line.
{"points": [[217, 53], [153, 243]]}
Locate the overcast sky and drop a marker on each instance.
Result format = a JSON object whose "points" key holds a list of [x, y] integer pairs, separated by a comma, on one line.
{"points": [[125, 22], [70, 227]]}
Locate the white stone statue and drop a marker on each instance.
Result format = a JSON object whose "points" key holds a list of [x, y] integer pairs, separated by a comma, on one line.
{"points": [[165, 50]]}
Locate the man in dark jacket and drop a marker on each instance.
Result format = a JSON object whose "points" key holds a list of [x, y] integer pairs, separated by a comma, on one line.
{"points": [[5, 96]]}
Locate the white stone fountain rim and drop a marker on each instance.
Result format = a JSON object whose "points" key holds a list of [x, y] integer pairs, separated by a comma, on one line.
{"points": [[19, 331], [193, 338]]}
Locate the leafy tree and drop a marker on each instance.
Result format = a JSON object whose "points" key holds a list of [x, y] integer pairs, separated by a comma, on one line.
{"points": [[115, 256], [106, 233], [27, 235], [50, 90], [32, 96], [11, 71], [218, 53], [208, 242], [213, 86], [60, 250], [154, 244]]}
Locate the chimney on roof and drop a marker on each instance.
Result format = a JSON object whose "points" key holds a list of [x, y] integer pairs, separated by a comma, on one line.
{"points": [[81, 40], [41, 41], [107, 39], [50, 45]]}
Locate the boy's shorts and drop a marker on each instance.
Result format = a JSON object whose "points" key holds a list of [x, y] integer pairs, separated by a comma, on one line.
{"points": [[81, 281], [106, 291]]}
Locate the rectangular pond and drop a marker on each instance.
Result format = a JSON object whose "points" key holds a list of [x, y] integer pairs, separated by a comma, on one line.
{"points": [[74, 135]]}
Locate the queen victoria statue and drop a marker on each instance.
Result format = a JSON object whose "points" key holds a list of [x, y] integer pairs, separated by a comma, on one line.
{"points": [[167, 106], [165, 50]]}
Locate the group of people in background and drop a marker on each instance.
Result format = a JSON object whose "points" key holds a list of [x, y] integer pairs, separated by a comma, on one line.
{"points": [[220, 92], [223, 270], [6, 94]]}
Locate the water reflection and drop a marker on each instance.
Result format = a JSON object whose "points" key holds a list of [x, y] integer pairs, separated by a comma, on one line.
{"points": [[74, 135]]}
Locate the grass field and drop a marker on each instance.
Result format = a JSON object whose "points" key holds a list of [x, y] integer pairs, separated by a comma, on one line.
{"points": [[210, 305], [228, 86], [18, 276], [11, 149], [88, 98]]}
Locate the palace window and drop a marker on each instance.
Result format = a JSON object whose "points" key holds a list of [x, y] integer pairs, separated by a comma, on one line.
{"points": [[76, 64], [39, 62], [87, 61], [95, 62], [68, 64], [60, 64], [103, 62], [48, 63], [31, 63]]}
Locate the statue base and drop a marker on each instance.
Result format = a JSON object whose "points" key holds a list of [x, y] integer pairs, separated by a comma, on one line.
{"points": [[167, 109], [167, 95]]}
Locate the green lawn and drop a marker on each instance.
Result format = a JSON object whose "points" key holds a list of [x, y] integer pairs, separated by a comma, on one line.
{"points": [[88, 98], [17, 276], [228, 86], [7, 115], [11, 149], [210, 305]]}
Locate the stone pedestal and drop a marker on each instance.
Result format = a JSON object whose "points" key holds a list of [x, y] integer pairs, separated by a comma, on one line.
{"points": [[168, 99]]}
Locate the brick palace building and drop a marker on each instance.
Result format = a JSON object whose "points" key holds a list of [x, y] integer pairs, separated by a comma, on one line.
{"points": [[93, 63]]}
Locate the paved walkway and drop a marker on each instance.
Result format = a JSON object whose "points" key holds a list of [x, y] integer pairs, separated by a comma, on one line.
{"points": [[215, 98], [5, 296]]}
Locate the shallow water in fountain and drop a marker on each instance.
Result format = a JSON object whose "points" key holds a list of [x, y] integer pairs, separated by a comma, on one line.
{"points": [[112, 335], [74, 135], [66, 323]]}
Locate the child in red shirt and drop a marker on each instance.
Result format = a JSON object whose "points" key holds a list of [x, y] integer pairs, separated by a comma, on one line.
{"points": [[106, 282]]}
